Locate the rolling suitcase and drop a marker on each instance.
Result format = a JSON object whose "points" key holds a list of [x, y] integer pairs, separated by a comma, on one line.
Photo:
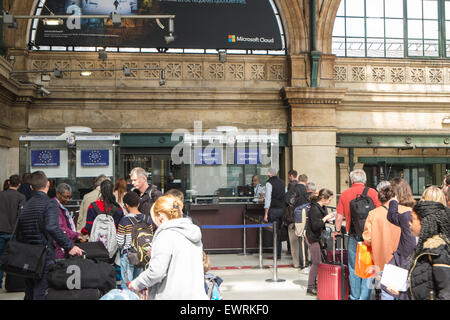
{"points": [[332, 279], [14, 283]]}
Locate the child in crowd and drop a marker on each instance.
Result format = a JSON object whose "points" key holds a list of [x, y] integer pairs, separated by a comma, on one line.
{"points": [[212, 282], [124, 238]]}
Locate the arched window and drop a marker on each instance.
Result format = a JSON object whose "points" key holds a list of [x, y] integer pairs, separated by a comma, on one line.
{"points": [[262, 14], [392, 28]]}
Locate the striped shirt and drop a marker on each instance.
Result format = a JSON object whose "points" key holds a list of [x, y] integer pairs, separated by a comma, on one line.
{"points": [[124, 230]]}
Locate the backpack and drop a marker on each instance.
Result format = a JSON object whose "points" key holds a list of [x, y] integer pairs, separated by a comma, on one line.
{"points": [[212, 286], [104, 230], [141, 242], [359, 210], [300, 217]]}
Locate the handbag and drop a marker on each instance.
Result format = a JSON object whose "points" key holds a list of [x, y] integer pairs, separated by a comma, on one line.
{"points": [[23, 259], [363, 261]]}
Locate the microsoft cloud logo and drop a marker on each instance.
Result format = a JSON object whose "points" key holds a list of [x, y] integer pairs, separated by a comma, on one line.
{"points": [[231, 38]]}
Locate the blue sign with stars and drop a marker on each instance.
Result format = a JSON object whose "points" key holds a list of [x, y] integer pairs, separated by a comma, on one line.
{"points": [[95, 158], [45, 158]]}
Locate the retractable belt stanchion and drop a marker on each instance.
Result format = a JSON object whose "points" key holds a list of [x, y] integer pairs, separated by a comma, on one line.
{"points": [[260, 247], [275, 262], [244, 236]]}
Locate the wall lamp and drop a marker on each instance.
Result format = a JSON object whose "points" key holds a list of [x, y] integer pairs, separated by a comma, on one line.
{"points": [[222, 55], [446, 120]]}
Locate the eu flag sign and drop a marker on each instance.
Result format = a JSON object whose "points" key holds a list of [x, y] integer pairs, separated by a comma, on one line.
{"points": [[95, 158], [45, 158]]}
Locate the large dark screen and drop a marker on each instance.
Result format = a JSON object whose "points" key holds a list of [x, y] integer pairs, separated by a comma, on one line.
{"points": [[202, 24]]}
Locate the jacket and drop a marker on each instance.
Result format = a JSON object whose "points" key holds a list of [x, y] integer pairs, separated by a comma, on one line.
{"points": [[146, 201], [87, 200], [175, 271], [10, 202], [65, 227], [429, 277], [401, 217], [381, 235], [39, 224], [314, 222]]}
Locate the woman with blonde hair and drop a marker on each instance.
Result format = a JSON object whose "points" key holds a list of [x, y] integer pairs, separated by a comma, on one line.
{"points": [[435, 194], [120, 189], [175, 271]]}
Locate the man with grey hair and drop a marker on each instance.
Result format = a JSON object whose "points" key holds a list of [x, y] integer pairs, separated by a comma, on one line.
{"points": [[274, 204], [359, 288], [88, 199], [148, 193]]}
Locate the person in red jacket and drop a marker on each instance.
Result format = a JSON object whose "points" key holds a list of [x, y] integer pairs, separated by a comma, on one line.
{"points": [[359, 288]]}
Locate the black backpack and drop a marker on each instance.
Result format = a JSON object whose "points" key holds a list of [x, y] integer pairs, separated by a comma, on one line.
{"points": [[359, 210]]}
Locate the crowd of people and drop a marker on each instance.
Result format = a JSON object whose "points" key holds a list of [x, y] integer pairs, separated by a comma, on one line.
{"points": [[176, 267], [409, 234]]}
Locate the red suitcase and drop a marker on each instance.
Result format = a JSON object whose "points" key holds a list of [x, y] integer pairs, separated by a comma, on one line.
{"points": [[332, 279]]}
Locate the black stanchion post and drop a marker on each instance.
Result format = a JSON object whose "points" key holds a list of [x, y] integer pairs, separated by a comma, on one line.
{"points": [[275, 260]]}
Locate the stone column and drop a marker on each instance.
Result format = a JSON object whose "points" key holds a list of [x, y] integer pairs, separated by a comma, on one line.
{"points": [[313, 133]]}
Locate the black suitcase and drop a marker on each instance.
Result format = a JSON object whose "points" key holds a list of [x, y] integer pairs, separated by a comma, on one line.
{"points": [[14, 283], [93, 274], [82, 294], [94, 250]]}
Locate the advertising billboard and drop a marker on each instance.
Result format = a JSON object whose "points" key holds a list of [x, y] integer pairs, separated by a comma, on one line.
{"points": [[199, 24]]}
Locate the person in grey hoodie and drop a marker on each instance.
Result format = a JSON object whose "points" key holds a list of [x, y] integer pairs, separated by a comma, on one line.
{"points": [[175, 271]]}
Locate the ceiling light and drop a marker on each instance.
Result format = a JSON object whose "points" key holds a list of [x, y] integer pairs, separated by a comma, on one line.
{"points": [[53, 22], [86, 73], [45, 77], [446, 120]]}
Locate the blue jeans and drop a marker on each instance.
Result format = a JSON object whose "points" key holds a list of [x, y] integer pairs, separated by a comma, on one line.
{"points": [[4, 238], [128, 271], [360, 289]]}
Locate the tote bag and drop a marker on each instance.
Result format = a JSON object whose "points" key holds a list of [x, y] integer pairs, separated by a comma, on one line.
{"points": [[363, 261]]}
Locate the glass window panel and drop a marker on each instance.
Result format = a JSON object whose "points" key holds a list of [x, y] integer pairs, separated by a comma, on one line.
{"points": [[394, 8], [394, 28], [395, 48], [447, 10], [355, 47], [375, 47], [431, 29], [375, 27], [447, 48], [341, 10], [355, 8], [415, 48], [338, 47], [374, 8], [355, 27], [339, 27], [414, 8], [447, 30], [431, 48], [430, 9], [415, 29]]}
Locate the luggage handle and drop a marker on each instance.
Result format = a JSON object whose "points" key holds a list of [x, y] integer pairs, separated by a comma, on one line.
{"points": [[342, 248]]}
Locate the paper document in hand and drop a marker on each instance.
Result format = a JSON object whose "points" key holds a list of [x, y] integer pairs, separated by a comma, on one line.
{"points": [[395, 278]]}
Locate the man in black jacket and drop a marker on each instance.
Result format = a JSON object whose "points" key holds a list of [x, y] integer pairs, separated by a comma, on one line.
{"points": [[39, 224], [274, 203], [10, 202], [148, 193]]}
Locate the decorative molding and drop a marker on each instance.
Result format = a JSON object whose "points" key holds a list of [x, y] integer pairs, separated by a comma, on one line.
{"points": [[391, 72]]}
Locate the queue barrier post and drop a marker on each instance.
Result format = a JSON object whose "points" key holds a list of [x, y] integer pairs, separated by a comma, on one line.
{"points": [[275, 260]]}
